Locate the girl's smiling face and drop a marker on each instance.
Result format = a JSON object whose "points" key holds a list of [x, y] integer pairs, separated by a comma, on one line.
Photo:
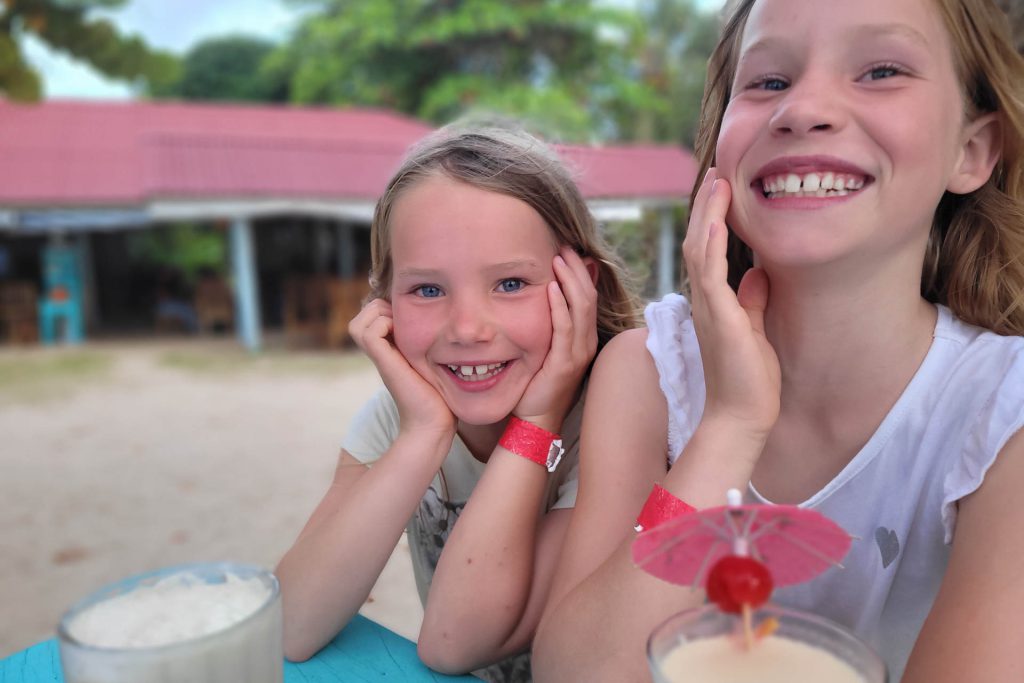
{"points": [[844, 130], [469, 294]]}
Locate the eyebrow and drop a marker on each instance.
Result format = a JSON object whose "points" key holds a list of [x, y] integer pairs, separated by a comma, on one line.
{"points": [[856, 34], [504, 266]]}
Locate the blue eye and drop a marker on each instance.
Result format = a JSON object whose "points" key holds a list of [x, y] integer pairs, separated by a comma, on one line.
{"points": [[878, 73], [882, 72], [512, 284], [773, 83], [428, 291]]}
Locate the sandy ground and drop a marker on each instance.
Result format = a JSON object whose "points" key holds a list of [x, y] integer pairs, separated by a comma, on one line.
{"points": [[121, 458]]}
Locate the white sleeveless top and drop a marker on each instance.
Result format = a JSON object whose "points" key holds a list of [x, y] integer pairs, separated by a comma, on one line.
{"points": [[898, 495]]}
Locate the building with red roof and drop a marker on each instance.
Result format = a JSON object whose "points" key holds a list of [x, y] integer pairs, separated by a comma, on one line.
{"points": [[84, 173]]}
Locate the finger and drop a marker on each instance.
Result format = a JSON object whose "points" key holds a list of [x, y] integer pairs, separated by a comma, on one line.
{"points": [[580, 296], [715, 268], [696, 234], [572, 274], [370, 312], [575, 281], [695, 241], [753, 296], [561, 326]]}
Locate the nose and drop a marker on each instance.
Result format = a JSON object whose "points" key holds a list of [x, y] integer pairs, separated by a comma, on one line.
{"points": [[471, 320], [808, 107]]}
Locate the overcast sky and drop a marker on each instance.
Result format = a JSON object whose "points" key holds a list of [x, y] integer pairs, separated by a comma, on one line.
{"points": [[174, 25]]}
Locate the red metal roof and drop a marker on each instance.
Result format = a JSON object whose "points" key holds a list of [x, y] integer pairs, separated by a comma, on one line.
{"points": [[78, 153]]}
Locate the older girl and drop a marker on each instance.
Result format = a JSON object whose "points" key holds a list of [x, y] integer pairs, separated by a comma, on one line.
{"points": [[865, 202]]}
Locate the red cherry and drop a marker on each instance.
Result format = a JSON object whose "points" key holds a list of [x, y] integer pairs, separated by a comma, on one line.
{"points": [[735, 581]]}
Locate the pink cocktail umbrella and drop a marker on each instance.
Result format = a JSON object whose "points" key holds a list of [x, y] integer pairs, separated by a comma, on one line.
{"points": [[794, 544], [738, 553]]}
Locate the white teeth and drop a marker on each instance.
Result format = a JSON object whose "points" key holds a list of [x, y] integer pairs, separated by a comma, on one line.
{"points": [[827, 184], [475, 373]]}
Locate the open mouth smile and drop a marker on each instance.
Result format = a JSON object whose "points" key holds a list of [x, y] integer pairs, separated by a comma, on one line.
{"points": [[476, 373], [815, 184]]}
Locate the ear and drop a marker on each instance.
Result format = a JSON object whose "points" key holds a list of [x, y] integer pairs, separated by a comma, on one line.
{"points": [[983, 143], [592, 268]]}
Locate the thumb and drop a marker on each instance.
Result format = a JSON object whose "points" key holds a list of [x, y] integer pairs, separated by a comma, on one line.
{"points": [[753, 296]]}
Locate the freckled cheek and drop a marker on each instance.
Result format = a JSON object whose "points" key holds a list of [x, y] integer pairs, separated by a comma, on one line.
{"points": [[735, 138], [734, 141], [413, 334], [532, 332]]}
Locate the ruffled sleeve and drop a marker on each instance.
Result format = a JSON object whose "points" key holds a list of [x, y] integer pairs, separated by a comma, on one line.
{"points": [[672, 343], [1000, 417]]}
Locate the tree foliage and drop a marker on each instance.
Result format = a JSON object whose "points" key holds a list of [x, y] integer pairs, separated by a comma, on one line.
{"points": [[226, 68], [562, 62], [672, 50], [65, 26]]}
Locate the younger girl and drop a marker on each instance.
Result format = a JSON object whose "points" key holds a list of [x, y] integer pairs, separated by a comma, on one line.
{"points": [[492, 290], [866, 202]]}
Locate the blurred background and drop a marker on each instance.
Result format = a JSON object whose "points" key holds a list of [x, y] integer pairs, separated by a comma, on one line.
{"points": [[186, 190], [212, 167]]}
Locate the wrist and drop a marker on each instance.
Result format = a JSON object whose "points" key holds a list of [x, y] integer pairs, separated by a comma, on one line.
{"points": [[718, 457], [661, 506], [433, 439], [549, 422], [532, 442]]}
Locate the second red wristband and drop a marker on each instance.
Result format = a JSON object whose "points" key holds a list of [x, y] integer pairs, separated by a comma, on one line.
{"points": [[660, 507]]}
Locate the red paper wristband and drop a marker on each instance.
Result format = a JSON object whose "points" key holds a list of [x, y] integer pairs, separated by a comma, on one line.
{"points": [[529, 441], [661, 506]]}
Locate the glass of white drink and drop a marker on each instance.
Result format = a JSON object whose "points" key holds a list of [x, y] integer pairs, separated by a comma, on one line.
{"points": [[706, 645], [200, 623]]}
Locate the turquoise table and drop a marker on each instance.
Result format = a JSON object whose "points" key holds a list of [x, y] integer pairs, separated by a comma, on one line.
{"points": [[363, 652]]}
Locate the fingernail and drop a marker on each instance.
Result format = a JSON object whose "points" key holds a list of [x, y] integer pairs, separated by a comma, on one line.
{"points": [[714, 186]]}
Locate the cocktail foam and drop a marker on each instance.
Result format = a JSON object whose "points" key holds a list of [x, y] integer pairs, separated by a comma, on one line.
{"points": [[176, 608]]}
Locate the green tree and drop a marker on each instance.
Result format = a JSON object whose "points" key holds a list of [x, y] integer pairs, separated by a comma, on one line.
{"points": [[225, 68], [672, 50], [65, 26], [187, 248], [559, 62]]}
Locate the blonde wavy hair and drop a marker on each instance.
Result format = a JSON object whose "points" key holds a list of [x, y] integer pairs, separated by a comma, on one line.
{"points": [[512, 162], [975, 258]]}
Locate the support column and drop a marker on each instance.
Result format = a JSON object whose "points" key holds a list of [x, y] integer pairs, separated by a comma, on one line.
{"points": [[90, 302], [247, 296], [666, 252]]}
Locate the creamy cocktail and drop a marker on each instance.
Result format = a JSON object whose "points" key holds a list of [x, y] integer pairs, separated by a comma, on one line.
{"points": [[202, 623], [708, 646]]}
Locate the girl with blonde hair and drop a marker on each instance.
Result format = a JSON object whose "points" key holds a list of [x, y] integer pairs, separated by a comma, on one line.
{"points": [[851, 341]]}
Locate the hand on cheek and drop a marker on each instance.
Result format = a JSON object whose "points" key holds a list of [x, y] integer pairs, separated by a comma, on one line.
{"points": [[420, 406], [741, 368], [572, 299]]}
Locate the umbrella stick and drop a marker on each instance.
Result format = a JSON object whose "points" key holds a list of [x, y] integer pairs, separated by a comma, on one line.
{"points": [[748, 630]]}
